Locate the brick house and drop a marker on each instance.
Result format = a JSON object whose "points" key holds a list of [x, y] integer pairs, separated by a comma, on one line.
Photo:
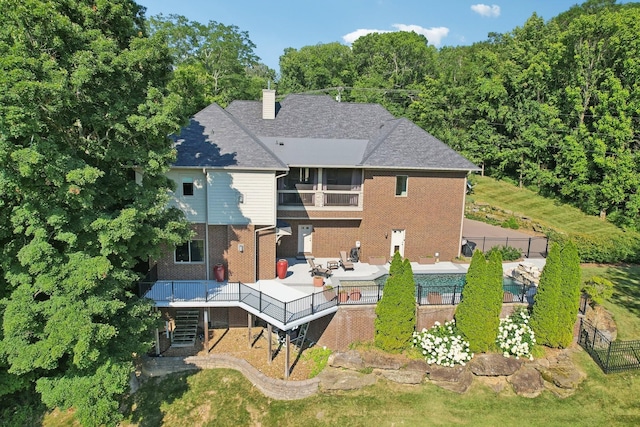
{"points": [[309, 175]]}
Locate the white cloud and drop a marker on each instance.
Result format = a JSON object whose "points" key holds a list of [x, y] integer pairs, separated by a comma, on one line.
{"points": [[492, 11], [434, 34]]}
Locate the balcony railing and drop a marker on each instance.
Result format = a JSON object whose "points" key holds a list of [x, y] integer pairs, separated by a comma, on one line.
{"points": [[290, 311], [320, 198]]}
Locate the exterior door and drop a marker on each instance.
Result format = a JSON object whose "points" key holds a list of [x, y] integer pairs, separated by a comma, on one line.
{"points": [[305, 238], [397, 242]]}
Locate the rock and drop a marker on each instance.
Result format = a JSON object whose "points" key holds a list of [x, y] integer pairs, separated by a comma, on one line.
{"points": [[497, 384], [542, 363], [417, 365], [602, 320], [564, 375], [339, 379], [460, 386], [381, 361], [401, 376], [445, 373], [527, 382], [559, 392], [348, 360], [456, 379], [493, 364]]}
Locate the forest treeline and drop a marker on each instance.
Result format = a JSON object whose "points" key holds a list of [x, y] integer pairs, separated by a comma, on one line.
{"points": [[552, 105]]}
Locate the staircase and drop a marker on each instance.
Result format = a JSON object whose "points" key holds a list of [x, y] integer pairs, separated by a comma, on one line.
{"points": [[184, 335]]}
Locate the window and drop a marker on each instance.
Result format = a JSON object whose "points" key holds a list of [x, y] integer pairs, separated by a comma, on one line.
{"points": [[401, 185], [300, 179], [192, 251], [187, 188]]}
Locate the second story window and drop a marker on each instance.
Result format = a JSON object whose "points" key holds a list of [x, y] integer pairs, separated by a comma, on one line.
{"points": [[401, 185], [342, 179], [187, 187]]}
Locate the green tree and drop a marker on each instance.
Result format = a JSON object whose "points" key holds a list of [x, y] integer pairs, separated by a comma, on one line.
{"points": [[321, 66], [476, 315], [213, 62], [495, 291], [569, 301], [395, 321], [82, 106], [544, 319]]}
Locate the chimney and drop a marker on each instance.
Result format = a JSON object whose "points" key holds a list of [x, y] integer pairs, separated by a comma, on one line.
{"points": [[268, 104]]}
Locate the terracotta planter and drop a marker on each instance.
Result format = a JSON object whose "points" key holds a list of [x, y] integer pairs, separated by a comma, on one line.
{"points": [[281, 268], [343, 297], [355, 295], [329, 293], [318, 281], [218, 272]]}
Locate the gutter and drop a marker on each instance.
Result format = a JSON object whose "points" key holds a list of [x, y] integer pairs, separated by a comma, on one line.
{"points": [[269, 227], [206, 219]]}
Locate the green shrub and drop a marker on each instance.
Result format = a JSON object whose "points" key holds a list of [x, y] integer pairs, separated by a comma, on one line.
{"points": [[544, 319], [395, 312], [511, 223], [569, 301], [478, 316], [507, 253], [606, 249], [599, 289]]}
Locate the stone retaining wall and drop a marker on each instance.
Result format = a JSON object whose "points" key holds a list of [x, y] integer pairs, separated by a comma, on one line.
{"points": [[270, 387]]}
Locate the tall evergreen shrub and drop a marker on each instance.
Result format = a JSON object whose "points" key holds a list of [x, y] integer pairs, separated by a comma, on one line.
{"points": [[569, 301], [495, 291], [545, 319], [476, 315], [395, 321]]}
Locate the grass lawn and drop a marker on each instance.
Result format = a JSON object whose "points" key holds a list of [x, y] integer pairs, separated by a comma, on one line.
{"points": [[546, 212]]}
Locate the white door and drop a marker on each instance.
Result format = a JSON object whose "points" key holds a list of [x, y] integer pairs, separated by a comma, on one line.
{"points": [[305, 238], [397, 242]]}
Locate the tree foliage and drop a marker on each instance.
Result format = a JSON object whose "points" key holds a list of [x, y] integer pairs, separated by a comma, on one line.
{"points": [[545, 316], [212, 63], [478, 314], [395, 321], [82, 105]]}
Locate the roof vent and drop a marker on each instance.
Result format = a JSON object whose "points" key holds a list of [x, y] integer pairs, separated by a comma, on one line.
{"points": [[268, 104]]}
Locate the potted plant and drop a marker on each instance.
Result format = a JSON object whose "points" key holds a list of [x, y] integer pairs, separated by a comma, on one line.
{"points": [[426, 259], [343, 296], [318, 281], [329, 293], [355, 294]]}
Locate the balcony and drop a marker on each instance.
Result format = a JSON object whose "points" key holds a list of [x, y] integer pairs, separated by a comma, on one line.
{"points": [[319, 199]]}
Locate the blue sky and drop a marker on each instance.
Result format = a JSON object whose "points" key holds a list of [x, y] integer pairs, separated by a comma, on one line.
{"points": [[276, 25]]}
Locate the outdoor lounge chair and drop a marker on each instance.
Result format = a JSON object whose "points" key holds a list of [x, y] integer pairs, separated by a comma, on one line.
{"points": [[318, 270], [344, 261]]}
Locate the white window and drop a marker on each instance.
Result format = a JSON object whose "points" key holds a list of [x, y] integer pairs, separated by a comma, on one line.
{"points": [[191, 251], [401, 185]]}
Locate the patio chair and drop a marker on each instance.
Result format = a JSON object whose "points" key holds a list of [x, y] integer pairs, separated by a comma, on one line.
{"points": [[344, 261], [317, 269]]}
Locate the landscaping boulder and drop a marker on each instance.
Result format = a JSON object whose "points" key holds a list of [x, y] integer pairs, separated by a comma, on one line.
{"points": [[340, 379], [497, 384], [401, 376], [527, 382], [456, 379], [564, 375], [349, 360], [378, 360], [417, 365], [493, 365]]}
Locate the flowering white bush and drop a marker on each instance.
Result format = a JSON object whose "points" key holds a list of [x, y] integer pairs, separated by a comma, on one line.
{"points": [[443, 345], [515, 336]]}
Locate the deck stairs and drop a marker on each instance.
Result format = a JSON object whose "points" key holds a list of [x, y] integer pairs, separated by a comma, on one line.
{"points": [[186, 330]]}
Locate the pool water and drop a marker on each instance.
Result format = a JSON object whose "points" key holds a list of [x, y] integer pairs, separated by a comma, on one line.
{"points": [[445, 282]]}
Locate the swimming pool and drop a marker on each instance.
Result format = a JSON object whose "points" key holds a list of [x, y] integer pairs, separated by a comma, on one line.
{"points": [[446, 288]]}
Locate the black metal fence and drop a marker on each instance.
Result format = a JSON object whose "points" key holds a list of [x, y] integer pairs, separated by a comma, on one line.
{"points": [[532, 247], [611, 356]]}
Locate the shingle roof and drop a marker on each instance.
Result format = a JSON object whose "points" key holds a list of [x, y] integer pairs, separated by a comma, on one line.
{"points": [[214, 138], [311, 130]]}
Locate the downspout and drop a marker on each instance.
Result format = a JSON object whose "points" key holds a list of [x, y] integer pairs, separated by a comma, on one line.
{"points": [[206, 220], [269, 227]]}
